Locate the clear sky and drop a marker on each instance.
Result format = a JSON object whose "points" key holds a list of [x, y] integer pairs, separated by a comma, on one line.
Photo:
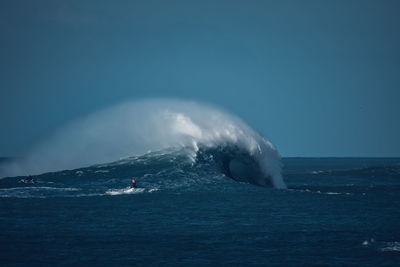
{"points": [[317, 78]]}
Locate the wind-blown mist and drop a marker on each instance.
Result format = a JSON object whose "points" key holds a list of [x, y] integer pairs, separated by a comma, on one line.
{"points": [[136, 128]]}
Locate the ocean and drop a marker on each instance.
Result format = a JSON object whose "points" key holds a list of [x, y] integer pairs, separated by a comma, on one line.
{"points": [[335, 211], [210, 190]]}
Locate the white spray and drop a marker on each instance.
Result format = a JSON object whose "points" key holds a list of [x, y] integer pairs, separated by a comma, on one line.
{"points": [[135, 128]]}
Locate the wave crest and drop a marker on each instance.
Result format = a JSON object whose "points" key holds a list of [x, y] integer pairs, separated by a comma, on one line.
{"points": [[136, 128]]}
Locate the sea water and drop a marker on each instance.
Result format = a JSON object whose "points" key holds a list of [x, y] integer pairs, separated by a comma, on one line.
{"points": [[335, 211], [211, 190]]}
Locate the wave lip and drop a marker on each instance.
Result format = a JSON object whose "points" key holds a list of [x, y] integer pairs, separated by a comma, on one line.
{"points": [[136, 128]]}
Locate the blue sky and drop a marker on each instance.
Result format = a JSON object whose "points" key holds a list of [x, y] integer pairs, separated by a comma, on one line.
{"points": [[317, 78]]}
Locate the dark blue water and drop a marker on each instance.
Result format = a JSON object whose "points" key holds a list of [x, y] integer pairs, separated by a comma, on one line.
{"points": [[336, 212]]}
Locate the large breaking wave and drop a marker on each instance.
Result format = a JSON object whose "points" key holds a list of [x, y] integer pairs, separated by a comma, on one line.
{"points": [[202, 133]]}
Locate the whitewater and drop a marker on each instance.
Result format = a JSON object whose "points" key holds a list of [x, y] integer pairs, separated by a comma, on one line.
{"points": [[137, 128]]}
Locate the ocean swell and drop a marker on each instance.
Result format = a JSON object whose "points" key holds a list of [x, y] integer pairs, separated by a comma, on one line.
{"points": [[137, 128]]}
